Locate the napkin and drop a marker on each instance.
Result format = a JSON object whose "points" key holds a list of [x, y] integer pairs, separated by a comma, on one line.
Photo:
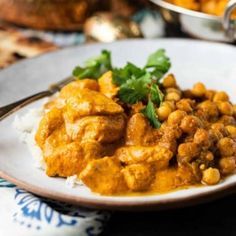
{"points": [[24, 214]]}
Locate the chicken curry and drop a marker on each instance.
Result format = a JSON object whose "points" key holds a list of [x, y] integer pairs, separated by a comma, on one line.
{"points": [[115, 147]]}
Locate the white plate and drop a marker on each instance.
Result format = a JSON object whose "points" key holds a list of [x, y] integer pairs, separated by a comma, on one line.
{"points": [[212, 63]]}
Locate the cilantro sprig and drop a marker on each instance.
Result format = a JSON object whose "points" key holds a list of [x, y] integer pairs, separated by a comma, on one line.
{"points": [[135, 89], [129, 71], [94, 67], [150, 112], [136, 84], [159, 63]]}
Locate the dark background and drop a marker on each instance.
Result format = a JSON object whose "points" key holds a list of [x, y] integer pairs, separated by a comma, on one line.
{"points": [[215, 218]]}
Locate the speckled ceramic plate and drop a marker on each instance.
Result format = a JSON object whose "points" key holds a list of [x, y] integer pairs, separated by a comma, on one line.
{"points": [[212, 63]]}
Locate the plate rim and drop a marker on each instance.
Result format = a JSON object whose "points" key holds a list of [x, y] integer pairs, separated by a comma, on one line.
{"points": [[192, 40], [153, 204], [150, 205]]}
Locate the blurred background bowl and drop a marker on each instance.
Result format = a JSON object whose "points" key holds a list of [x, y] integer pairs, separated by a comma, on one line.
{"points": [[198, 24]]}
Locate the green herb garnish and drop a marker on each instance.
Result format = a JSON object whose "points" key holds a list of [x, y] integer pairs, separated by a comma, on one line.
{"points": [[94, 67], [136, 84], [159, 63], [150, 113], [121, 75], [155, 94], [135, 89]]}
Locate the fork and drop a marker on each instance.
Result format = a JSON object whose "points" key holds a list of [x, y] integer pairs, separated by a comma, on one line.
{"points": [[52, 89]]}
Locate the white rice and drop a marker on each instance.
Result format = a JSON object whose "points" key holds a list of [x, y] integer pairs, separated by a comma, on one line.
{"points": [[73, 181], [26, 126]]}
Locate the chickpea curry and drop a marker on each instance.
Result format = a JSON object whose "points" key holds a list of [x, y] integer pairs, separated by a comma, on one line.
{"points": [[133, 130]]}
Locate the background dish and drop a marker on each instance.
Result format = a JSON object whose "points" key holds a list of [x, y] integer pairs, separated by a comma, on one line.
{"points": [[199, 24], [192, 61]]}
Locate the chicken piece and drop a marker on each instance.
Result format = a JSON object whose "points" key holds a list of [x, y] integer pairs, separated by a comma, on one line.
{"points": [[104, 176], [89, 103], [139, 131], [55, 102], [164, 180], [139, 177], [72, 89], [107, 87], [48, 124], [105, 129], [56, 139], [157, 155], [71, 159]]}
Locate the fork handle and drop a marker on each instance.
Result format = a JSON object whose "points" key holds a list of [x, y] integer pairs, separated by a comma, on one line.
{"points": [[9, 109]]}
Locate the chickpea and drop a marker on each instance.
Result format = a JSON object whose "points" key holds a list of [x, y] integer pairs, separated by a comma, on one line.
{"points": [[163, 112], [210, 108], [210, 94], [185, 104], [187, 152], [201, 115], [175, 117], [227, 164], [220, 127], [202, 167], [202, 138], [225, 108], [215, 135], [172, 96], [199, 90], [227, 147], [231, 130], [189, 124], [220, 96], [227, 120], [171, 133], [169, 81], [171, 104], [173, 90], [211, 176], [209, 156]]}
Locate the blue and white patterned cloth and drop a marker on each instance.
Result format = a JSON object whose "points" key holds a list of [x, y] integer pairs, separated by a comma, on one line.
{"points": [[23, 214]]}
